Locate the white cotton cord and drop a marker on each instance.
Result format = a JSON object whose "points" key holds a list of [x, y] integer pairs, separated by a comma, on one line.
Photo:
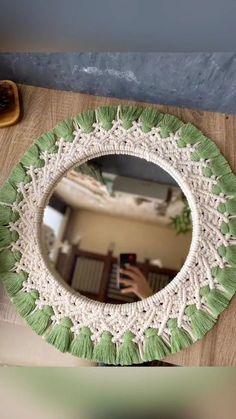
{"points": [[183, 300], [165, 318], [208, 272], [197, 286]]}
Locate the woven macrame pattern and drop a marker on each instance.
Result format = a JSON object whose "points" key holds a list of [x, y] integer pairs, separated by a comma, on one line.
{"points": [[168, 321]]}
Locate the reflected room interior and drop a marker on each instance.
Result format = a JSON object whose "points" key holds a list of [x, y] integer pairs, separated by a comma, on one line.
{"points": [[115, 205]]}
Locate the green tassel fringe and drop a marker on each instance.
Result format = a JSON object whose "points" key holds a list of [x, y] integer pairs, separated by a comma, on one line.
{"points": [[129, 114], [18, 175], [8, 193], [229, 228], [65, 130], [128, 351], [217, 167], [169, 124], [226, 184], [47, 142], [180, 338], [207, 172], [25, 301], [220, 166], [40, 320], [13, 281], [31, 157], [106, 115], [217, 300], [60, 335], [105, 350], [154, 346], [229, 253], [205, 150], [189, 134], [7, 215], [229, 206], [201, 321], [7, 236], [227, 278], [8, 260], [86, 120], [82, 345], [149, 118]]}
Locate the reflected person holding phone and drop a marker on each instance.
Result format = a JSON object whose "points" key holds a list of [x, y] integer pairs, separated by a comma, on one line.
{"points": [[131, 279]]}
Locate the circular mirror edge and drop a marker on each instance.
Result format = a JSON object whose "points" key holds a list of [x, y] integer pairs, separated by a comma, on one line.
{"points": [[194, 216]]}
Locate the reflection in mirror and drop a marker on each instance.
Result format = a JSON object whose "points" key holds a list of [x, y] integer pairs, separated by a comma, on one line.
{"points": [[117, 229]]}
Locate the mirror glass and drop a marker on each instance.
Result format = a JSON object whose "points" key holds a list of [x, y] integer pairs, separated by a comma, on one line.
{"points": [[117, 229]]}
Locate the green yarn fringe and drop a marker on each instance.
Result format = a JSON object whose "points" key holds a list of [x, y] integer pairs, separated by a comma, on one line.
{"points": [[180, 338], [227, 278], [7, 215], [169, 124], [60, 335], [25, 301], [229, 206], [7, 236], [207, 172], [128, 351], [229, 228], [18, 175], [229, 253], [217, 300], [218, 167], [106, 115], [8, 260], [189, 134], [201, 321], [205, 150], [65, 130], [82, 345], [47, 142], [31, 157], [129, 114], [13, 281], [40, 320], [105, 349], [226, 184], [9, 194], [86, 120], [154, 346], [149, 118]]}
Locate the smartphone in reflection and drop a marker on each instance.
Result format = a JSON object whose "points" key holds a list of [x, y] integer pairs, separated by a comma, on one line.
{"points": [[125, 260]]}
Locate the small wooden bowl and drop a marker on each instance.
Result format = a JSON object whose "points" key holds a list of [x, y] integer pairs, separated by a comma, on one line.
{"points": [[11, 116]]}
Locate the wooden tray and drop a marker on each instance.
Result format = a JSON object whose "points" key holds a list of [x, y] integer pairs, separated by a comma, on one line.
{"points": [[11, 117]]}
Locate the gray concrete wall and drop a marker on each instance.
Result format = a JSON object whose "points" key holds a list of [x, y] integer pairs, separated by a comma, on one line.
{"points": [[196, 80]]}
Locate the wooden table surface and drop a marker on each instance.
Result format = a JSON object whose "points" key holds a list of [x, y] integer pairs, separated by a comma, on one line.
{"points": [[43, 108]]}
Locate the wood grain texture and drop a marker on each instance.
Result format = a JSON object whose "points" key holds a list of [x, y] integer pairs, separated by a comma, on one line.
{"points": [[43, 108]]}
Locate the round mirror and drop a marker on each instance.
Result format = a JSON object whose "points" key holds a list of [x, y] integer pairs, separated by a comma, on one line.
{"points": [[64, 248], [117, 229]]}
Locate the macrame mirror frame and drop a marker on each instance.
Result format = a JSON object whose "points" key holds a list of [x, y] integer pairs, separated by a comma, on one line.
{"points": [[175, 317]]}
